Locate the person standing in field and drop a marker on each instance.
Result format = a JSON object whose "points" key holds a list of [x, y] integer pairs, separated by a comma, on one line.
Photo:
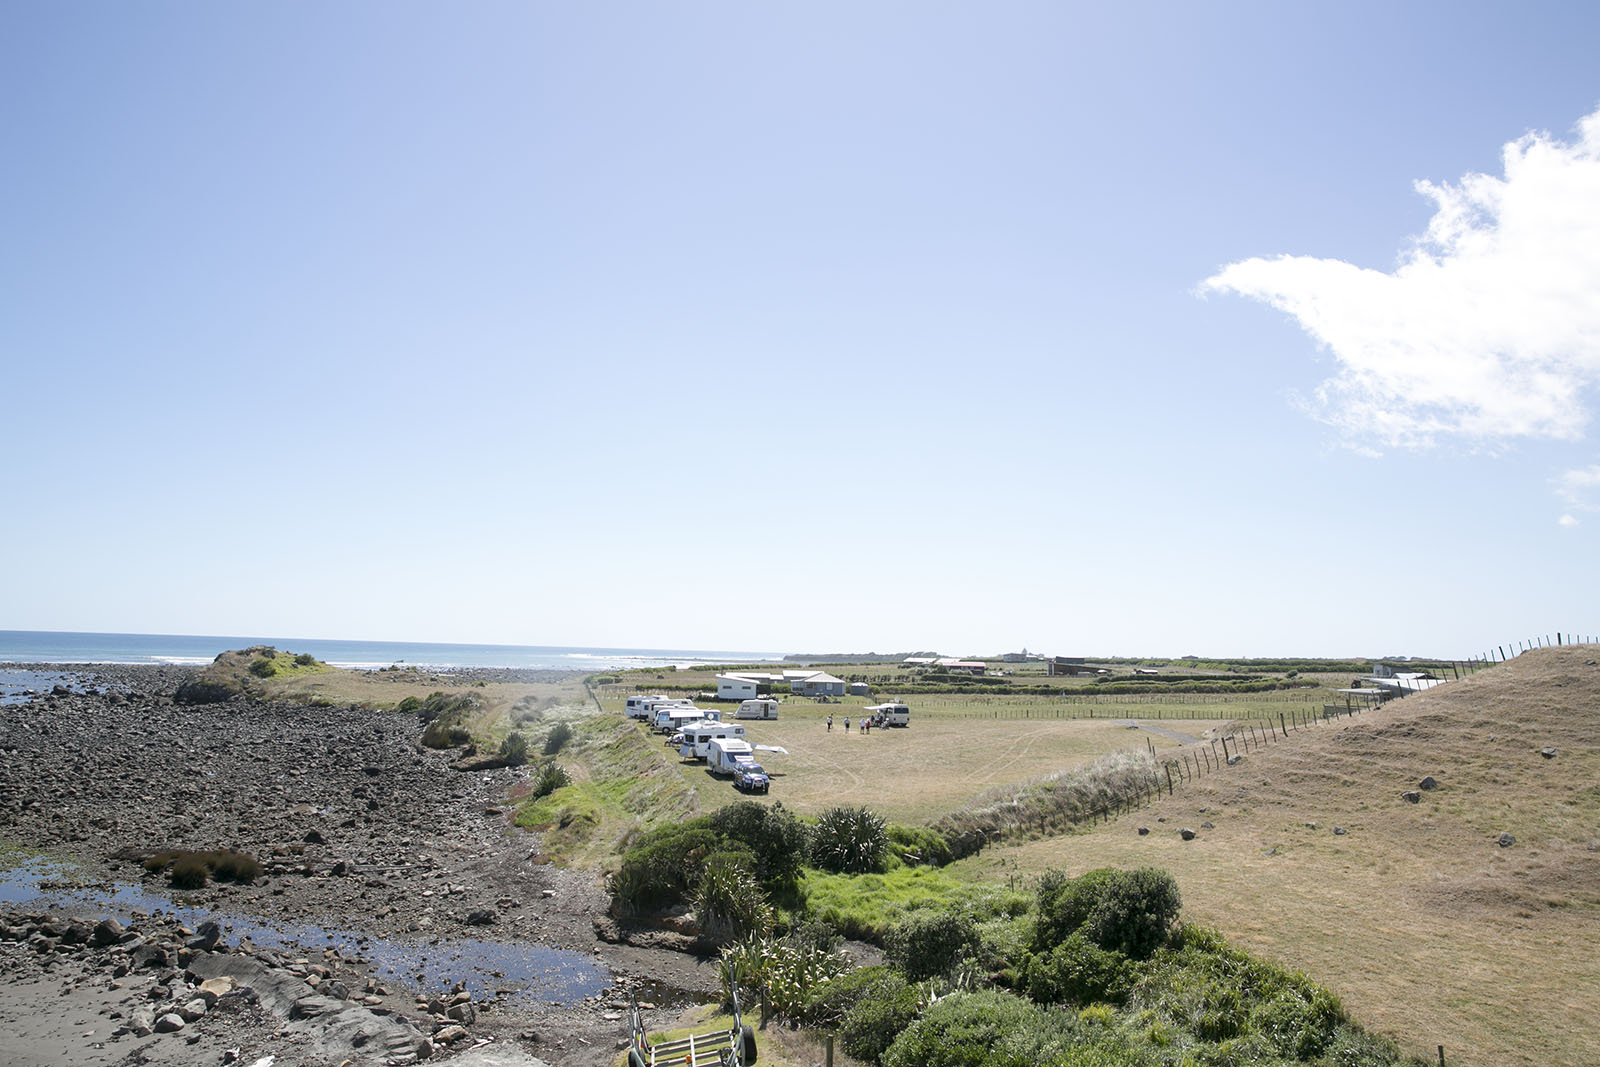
{"points": [[847, 725], [830, 724]]}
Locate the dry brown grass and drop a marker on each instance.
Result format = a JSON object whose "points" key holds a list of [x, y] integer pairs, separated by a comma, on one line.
{"points": [[1427, 928], [914, 775]]}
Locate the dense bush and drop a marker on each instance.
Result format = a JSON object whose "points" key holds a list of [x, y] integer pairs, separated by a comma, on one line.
{"points": [[876, 1019], [776, 838], [914, 845], [1077, 971], [559, 735], [191, 870], [927, 943], [988, 1029], [660, 869], [785, 973], [263, 668], [305, 659], [837, 996], [849, 841], [1124, 911]]}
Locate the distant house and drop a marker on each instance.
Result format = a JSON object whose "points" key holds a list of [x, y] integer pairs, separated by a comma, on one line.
{"points": [[964, 666], [733, 687], [818, 684], [1066, 665]]}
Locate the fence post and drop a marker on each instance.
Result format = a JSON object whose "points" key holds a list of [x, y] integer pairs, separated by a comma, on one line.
{"points": [[827, 1051], [1168, 769]]}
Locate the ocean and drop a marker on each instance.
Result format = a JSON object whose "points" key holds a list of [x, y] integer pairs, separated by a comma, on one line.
{"points": [[44, 646]]}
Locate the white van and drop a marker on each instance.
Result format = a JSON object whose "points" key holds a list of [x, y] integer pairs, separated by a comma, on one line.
{"points": [[697, 737], [725, 753], [641, 707], [757, 709], [890, 714]]}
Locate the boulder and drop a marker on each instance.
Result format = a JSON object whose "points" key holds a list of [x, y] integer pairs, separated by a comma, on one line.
{"points": [[1505, 840], [482, 917], [1428, 783], [1548, 753], [1411, 796], [1186, 833], [170, 1023], [106, 932]]}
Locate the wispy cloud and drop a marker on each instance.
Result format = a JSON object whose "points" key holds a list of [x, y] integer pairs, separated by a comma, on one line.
{"points": [[1580, 488], [1567, 521], [1487, 331]]}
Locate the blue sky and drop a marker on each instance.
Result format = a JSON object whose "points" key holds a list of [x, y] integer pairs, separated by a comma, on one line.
{"points": [[823, 326]]}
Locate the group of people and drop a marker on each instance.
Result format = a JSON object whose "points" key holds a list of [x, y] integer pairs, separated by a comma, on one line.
{"points": [[866, 724]]}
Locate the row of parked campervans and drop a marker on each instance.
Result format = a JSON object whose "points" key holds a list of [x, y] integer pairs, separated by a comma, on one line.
{"points": [[700, 733]]}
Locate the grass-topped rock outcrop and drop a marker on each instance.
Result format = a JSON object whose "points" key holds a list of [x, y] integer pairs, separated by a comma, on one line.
{"points": [[244, 672]]}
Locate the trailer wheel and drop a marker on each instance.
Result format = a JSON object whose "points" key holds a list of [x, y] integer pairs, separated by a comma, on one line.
{"points": [[634, 1059], [747, 1045]]}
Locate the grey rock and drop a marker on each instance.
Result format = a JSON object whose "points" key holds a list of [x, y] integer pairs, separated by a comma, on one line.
{"points": [[106, 932], [1186, 833], [1143, 830], [483, 917], [1235, 759], [194, 1010], [1411, 796], [170, 1023], [1505, 840], [1428, 783], [1339, 831], [1548, 753]]}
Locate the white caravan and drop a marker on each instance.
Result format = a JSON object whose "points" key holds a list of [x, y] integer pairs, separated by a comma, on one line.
{"points": [[697, 737], [757, 709], [889, 714], [669, 720], [725, 753]]}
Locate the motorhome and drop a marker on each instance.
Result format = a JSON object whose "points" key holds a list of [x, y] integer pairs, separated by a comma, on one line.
{"points": [[725, 753], [669, 720], [645, 707], [757, 709], [889, 714], [697, 737]]}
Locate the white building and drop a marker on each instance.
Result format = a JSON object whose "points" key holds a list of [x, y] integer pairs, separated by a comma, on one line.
{"points": [[733, 687]]}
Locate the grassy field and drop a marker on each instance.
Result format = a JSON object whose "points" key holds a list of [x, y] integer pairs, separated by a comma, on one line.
{"points": [[1427, 927]]}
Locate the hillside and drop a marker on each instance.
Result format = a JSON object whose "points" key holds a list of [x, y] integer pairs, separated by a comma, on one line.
{"points": [[1430, 928]]}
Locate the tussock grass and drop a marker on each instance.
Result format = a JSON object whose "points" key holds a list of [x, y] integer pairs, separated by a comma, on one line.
{"points": [[191, 870], [1049, 804]]}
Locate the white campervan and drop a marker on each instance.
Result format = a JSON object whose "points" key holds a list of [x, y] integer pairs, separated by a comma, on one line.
{"points": [[890, 714], [725, 753], [757, 709], [641, 707], [697, 737]]}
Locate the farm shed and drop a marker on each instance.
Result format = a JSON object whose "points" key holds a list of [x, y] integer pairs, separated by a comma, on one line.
{"points": [[860, 689]]}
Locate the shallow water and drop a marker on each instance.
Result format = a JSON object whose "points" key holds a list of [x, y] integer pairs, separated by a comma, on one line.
{"points": [[17, 685], [532, 972]]}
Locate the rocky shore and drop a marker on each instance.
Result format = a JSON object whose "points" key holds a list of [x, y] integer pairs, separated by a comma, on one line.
{"points": [[357, 829]]}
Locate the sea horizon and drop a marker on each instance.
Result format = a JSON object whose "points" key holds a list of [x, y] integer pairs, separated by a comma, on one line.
{"points": [[71, 646]]}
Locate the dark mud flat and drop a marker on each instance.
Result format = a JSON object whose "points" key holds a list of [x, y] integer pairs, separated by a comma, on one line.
{"points": [[376, 856]]}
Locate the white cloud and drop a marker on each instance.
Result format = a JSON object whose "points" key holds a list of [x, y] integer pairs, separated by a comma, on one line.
{"points": [[1567, 520], [1580, 487], [1488, 330]]}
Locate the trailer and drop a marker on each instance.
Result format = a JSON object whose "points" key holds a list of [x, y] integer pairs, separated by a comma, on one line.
{"points": [[733, 1047], [757, 709], [695, 741]]}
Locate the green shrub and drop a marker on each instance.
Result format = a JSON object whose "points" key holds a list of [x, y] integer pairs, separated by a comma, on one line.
{"points": [[914, 845], [987, 1029], [927, 943], [189, 871], [1130, 912], [838, 995], [1077, 971], [409, 705], [776, 838], [559, 735], [660, 869], [549, 777], [849, 841], [875, 1020], [263, 668], [785, 973], [514, 750], [305, 659]]}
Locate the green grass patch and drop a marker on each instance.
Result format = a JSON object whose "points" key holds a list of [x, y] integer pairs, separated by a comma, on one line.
{"points": [[865, 906]]}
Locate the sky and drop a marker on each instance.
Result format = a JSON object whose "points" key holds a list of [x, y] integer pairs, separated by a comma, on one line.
{"points": [[1133, 329]]}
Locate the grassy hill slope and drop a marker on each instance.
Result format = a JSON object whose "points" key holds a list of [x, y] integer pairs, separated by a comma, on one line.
{"points": [[1430, 929]]}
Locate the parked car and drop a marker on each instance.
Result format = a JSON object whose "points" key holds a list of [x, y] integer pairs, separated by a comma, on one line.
{"points": [[751, 778]]}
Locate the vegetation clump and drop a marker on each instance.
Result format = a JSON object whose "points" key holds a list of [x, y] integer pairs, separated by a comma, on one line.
{"points": [[850, 841], [557, 739], [192, 870]]}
